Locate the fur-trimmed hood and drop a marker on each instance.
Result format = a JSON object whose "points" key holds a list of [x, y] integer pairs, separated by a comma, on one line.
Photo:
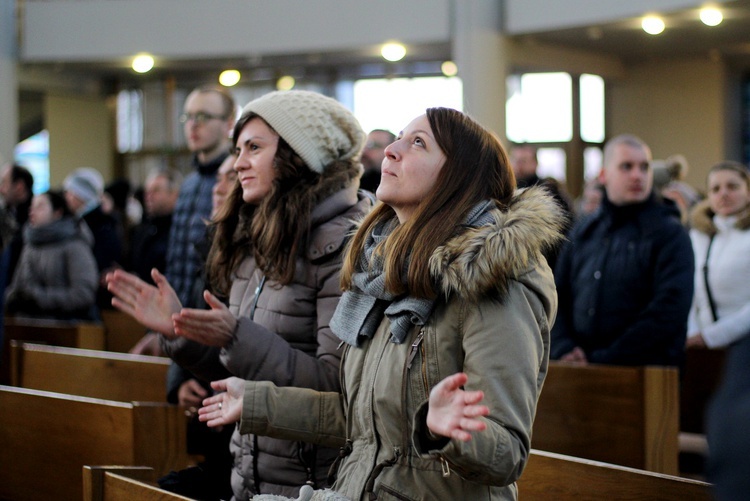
{"points": [[702, 218], [487, 258]]}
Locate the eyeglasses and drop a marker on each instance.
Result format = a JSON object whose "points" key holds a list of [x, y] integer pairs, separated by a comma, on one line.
{"points": [[200, 117]]}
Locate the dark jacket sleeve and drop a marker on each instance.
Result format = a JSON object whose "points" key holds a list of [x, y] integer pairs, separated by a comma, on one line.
{"points": [[561, 339], [199, 359]]}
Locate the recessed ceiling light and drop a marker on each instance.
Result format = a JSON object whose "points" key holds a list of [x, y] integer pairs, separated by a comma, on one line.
{"points": [[285, 83], [711, 16], [653, 25], [229, 78], [393, 51], [449, 68], [143, 63]]}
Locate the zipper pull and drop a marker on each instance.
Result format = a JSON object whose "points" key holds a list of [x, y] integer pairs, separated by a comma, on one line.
{"points": [[445, 467], [415, 348]]}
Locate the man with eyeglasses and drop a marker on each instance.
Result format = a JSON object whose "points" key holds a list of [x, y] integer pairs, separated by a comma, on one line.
{"points": [[208, 118], [372, 158]]}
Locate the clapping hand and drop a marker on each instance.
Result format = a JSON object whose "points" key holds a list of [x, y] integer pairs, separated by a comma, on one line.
{"points": [[151, 306], [214, 327]]}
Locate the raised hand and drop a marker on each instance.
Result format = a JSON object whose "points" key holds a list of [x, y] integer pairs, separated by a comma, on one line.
{"points": [[226, 407], [151, 306], [453, 412], [214, 327]]}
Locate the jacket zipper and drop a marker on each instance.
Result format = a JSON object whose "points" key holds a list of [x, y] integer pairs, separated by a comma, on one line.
{"points": [[418, 345]]}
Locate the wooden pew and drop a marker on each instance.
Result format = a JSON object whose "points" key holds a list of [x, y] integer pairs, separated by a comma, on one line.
{"points": [[89, 373], [46, 438], [562, 478], [621, 415], [547, 476], [123, 483], [122, 331], [53, 332]]}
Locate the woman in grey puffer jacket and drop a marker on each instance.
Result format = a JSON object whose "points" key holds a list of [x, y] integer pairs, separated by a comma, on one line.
{"points": [[56, 275], [277, 255]]}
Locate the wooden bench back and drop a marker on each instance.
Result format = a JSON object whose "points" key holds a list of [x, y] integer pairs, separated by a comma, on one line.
{"points": [[46, 438], [562, 478], [53, 332], [89, 373], [123, 483], [122, 331], [622, 415]]}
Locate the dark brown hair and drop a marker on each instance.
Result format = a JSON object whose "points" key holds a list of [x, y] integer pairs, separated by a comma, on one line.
{"points": [[476, 168], [275, 230]]}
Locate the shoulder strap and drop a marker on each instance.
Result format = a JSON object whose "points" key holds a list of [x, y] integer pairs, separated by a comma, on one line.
{"points": [[705, 281]]}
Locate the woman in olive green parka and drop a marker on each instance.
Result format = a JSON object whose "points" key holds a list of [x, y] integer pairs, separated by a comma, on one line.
{"points": [[445, 321]]}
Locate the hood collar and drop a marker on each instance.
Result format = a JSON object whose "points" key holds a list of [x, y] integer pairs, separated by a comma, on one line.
{"points": [[487, 258], [702, 218]]}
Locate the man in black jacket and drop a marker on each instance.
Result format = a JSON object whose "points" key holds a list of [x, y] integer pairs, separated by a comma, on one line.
{"points": [[625, 278], [148, 242]]}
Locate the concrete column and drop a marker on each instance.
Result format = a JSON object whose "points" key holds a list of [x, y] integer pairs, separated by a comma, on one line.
{"points": [[479, 51], [8, 80]]}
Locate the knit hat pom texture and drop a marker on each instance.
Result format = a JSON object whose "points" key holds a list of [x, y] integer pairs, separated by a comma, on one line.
{"points": [[319, 129]]}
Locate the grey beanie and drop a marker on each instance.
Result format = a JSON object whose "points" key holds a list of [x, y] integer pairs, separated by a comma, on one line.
{"points": [[86, 183], [319, 129]]}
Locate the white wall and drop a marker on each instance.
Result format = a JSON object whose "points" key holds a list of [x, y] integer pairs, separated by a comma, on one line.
{"points": [[85, 30]]}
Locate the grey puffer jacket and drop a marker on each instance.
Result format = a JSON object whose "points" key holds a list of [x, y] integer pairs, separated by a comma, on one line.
{"points": [[492, 321], [288, 342], [56, 275]]}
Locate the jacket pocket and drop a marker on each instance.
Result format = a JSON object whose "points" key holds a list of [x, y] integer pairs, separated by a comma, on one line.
{"points": [[386, 492]]}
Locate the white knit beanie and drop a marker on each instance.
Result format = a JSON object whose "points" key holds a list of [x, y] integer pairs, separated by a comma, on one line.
{"points": [[86, 183], [319, 129]]}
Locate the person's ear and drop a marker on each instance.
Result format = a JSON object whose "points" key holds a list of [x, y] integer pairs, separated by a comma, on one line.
{"points": [[602, 176]]}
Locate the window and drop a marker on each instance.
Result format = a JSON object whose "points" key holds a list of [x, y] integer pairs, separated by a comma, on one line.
{"points": [[129, 121], [541, 109], [392, 103], [33, 153]]}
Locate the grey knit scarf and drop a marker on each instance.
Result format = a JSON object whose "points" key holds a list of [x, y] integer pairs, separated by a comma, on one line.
{"points": [[361, 308]]}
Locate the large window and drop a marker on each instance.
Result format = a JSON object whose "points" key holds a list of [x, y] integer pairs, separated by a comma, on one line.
{"points": [[392, 103], [33, 153], [539, 108], [564, 116]]}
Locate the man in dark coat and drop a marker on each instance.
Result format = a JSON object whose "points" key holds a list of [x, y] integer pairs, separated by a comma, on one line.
{"points": [[148, 242], [625, 277]]}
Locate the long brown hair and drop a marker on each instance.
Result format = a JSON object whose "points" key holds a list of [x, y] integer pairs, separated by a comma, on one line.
{"points": [[274, 230], [476, 168]]}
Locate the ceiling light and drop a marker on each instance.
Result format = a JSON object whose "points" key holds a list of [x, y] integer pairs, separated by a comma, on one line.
{"points": [[142, 63], [653, 25], [285, 83], [711, 16], [393, 51], [229, 78], [449, 68]]}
